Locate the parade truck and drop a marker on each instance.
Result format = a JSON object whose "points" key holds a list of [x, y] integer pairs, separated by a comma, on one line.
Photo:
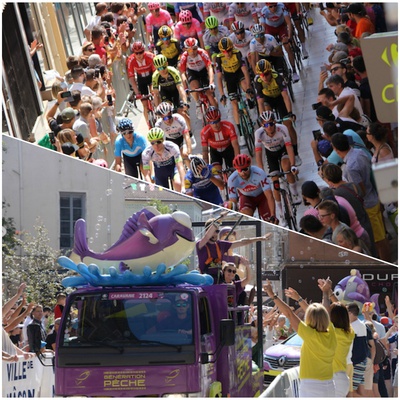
{"points": [[127, 341]]}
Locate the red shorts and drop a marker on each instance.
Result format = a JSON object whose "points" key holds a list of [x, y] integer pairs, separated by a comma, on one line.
{"points": [[280, 31], [253, 203]]}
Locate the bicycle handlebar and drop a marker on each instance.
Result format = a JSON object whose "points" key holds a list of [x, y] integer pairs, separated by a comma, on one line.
{"points": [[203, 89], [144, 97], [279, 174]]}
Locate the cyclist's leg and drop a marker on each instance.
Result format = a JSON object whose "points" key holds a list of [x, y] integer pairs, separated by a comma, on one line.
{"points": [[245, 205], [283, 35], [131, 165], [285, 164], [162, 175], [193, 83], [232, 81], [176, 180], [273, 160], [263, 210], [228, 155], [143, 86]]}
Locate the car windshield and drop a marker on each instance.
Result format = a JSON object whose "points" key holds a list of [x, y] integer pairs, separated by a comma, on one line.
{"points": [[123, 318], [294, 340]]}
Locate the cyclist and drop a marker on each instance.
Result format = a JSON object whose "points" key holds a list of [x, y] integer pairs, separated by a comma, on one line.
{"points": [[277, 23], [167, 86], [141, 64], [295, 12], [245, 13], [250, 189], [213, 34], [231, 67], [271, 93], [196, 68], [154, 21], [219, 11], [175, 129], [241, 39], [203, 181], [168, 46], [218, 137], [264, 46], [130, 146], [188, 27], [279, 151], [195, 8], [166, 159]]}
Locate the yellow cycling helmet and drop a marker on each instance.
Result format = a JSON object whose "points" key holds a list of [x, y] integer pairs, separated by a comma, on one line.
{"points": [[225, 44], [155, 134], [164, 32], [160, 61], [263, 66]]}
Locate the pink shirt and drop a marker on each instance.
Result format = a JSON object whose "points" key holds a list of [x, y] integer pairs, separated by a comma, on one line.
{"points": [[182, 32], [157, 22]]}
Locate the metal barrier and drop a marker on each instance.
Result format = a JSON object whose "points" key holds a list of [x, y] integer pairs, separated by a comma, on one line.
{"points": [[284, 385]]}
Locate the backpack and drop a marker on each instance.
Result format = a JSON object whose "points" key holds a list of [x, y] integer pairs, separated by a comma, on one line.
{"points": [[381, 352]]}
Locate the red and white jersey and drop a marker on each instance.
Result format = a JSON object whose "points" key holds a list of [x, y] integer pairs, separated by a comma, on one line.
{"points": [[196, 63], [220, 139], [280, 139], [142, 68]]}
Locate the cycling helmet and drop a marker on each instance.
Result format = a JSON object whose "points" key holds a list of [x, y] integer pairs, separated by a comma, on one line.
{"points": [[225, 44], [213, 114], [165, 31], [190, 43], [185, 17], [267, 116], [194, 163], [160, 61], [237, 26], [257, 28], [153, 6], [155, 134], [101, 163], [241, 161], [211, 22], [164, 108], [125, 124], [263, 66], [138, 46]]}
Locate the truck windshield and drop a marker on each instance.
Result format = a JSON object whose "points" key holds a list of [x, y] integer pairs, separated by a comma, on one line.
{"points": [[120, 319]]}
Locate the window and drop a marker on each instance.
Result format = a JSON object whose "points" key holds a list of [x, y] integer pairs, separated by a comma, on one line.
{"points": [[72, 206]]}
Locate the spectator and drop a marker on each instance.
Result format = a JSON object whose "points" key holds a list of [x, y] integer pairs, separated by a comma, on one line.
{"points": [[35, 331], [52, 337], [101, 9], [79, 77], [357, 13], [347, 238], [377, 136], [312, 226], [98, 33], [357, 169], [59, 307], [229, 277], [318, 349], [86, 126]]}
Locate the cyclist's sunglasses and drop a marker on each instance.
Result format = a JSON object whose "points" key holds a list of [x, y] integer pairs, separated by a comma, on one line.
{"points": [[183, 304], [127, 133], [161, 68], [139, 52], [156, 142], [164, 39], [192, 48], [242, 169], [167, 117], [215, 122], [258, 35], [265, 74], [268, 124], [239, 32]]}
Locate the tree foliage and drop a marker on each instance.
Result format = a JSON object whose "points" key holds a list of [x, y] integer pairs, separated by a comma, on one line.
{"points": [[34, 262]]}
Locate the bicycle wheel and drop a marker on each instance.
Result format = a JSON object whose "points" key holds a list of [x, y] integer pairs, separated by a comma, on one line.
{"points": [[286, 209], [246, 128], [293, 212], [287, 76]]}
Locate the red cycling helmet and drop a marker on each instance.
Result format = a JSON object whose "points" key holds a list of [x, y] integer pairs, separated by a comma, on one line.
{"points": [[213, 114], [190, 43], [241, 161], [153, 6], [237, 26], [185, 17], [138, 46]]}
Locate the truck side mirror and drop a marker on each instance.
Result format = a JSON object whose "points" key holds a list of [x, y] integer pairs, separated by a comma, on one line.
{"points": [[227, 332]]}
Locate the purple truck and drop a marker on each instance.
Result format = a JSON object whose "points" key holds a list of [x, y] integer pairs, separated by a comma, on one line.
{"points": [[135, 342]]}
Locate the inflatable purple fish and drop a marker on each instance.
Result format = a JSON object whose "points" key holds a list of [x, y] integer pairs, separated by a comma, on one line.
{"points": [[148, 239]]}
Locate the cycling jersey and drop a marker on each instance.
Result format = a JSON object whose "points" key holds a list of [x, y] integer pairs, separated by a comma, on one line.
{"points": [[242, 45], [123, 147], [204, 188], [196, 63], [153, 22], [211, 41], [168, 83], [171, 51], [142, 68], [220, 139], [170, 156], [217, 10], [275, 19], [245, 14], [273, 89], [280, 140], [256, 184], [229, 65], [182, 32], [174, 130], [194, 8], [263, 49]]}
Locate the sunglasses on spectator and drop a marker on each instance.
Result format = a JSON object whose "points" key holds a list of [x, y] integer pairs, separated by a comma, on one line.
{"points": [[242, 169], [167, 117], [268, 124], [90, 49], [157, 142], [231, 271], [161, 68], [239, 32], [164, 39], [183, 304], [215, 122], [258, 35], [127, 133], [273, 6], [139, 52], [335, 69]]}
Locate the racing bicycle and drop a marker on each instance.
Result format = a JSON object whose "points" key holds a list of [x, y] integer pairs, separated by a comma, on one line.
{"points": [[203, 99], [151, 114]]}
